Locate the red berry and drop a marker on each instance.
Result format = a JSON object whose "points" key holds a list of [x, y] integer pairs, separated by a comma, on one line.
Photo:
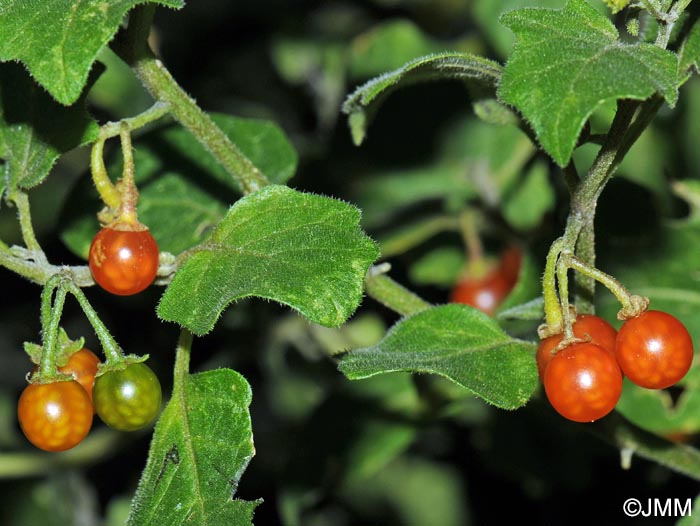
{"points": [[587, 327], [55, 416], [124, 258], [485, 294], [654, 350], [583, 382]]}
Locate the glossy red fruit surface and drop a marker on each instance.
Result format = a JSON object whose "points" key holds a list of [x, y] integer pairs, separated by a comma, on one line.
{"points": [[123, 261], [587, 327], [583, 382], [654, 349], [55, 416]]}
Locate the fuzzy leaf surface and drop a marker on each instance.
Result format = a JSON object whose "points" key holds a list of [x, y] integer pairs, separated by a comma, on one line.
{"points": [[568, 62], [202, 444], [365, 100], [34, 129], [302, 250], [58, 40], [457, 342]]}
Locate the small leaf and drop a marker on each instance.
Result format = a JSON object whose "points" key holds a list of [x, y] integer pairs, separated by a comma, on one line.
{"points": [[566, 63], [457, 342], [58, 40], [366, 99], [302, 250], [34, 130], [201, 446]]}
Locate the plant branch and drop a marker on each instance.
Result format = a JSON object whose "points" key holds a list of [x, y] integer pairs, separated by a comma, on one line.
{"points": [[21, 201], [182, 360], [391, 294], [133, 48]]}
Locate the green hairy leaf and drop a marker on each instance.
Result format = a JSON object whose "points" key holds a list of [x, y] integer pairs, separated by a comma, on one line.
{"points": [[202, 444], [365, 101], [302, 250], [35, 130], [457, 342], [58, 40], [567, 63]]}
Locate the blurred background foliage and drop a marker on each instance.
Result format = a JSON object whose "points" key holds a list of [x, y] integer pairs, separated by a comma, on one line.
{"points": [[395, 449]]}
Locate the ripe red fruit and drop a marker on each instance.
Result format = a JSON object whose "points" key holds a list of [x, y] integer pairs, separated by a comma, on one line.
{"points": [[654, 350], [55, 416], [124, 258], [583, 382], [586, 327], [486, 293]]}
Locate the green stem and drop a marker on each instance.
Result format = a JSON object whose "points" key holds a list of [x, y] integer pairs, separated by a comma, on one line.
{"points": [[127, 187], [182, 360], [391, 294], [470, 236], [155, 112], [632, 305], [50, 321], [563, 280], [108, 192], [552, 309], [24, 215], [134, 50], [110, 347], [585, 285]]}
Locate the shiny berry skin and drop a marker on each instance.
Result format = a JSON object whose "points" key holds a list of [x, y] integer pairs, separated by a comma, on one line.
{"points": [[485, 294], [583, 382], [587, 327], [654, 349], [129, 399], [55, 416], [123, 260]]}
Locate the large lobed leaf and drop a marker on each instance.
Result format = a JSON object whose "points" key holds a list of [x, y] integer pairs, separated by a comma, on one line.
{"points": [[457, 342], [568, 62], [58, 40], [35, 130], [302, 250], [365, 100], [202, 444]]}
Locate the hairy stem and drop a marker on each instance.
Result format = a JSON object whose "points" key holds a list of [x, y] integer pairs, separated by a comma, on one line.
{"points": [[110, 347], [391, 294], [134, 50], [182, 359], [24, 214]]}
